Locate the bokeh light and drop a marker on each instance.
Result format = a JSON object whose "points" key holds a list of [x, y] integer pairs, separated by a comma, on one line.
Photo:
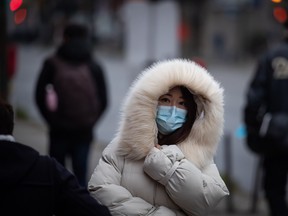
{"points": [[15, 4], [20, 16], [280, 14]]}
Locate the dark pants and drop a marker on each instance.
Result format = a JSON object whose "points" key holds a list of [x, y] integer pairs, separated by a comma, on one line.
{"points": [[275, 179], [62, 146]]}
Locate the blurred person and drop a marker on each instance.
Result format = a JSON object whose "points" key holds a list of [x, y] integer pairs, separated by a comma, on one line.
{"points": [[12, 59], [11, 64], [161, 160], [37, 185], [266, 118], [71, 96]]}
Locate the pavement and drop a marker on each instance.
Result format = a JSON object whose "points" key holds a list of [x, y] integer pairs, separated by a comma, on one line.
{"points": [[237, 204]]}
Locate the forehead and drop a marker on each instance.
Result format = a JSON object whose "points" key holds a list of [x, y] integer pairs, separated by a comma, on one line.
{"points": [[175, 91]]}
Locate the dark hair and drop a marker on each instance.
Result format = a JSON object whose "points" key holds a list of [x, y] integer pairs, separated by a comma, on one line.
{"points": [[75, 31], [6, 118], [182, 133]]}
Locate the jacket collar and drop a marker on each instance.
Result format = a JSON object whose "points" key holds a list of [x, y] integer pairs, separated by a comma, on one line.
{"points": [[7, 138]]}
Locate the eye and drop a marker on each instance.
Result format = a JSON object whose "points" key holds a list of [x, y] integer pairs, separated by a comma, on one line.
{"points": [[182, 105], [164, 100]]}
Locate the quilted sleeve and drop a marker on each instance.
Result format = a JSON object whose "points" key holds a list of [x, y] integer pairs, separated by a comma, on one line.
{"points": [[105, 187], [195, 191]]}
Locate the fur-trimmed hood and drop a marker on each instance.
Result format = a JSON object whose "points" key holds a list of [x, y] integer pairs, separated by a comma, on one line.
{"points": [[137, 132]]}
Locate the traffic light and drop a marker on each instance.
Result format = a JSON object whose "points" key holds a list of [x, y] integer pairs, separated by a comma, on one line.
{"points": [[20, 12], [20, 16], [15, 4]]}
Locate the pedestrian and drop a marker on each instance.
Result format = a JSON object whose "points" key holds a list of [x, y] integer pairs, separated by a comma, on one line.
{"points": [[71, 96], [35, 185], [266, 118], [161, 160]]}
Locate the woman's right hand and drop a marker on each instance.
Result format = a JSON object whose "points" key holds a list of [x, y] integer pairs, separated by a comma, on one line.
{"points": [[157, 146]]}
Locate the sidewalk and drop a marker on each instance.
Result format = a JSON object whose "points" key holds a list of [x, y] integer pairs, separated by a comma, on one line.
{"points": [[34, 135]]}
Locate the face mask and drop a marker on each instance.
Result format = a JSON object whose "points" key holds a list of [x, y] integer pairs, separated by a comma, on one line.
{"points": [[170, 118]]}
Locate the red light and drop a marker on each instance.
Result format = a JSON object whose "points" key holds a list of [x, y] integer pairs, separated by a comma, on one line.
{"points": [[20, 16], [15, 4], [183, 32], [280, 14]]}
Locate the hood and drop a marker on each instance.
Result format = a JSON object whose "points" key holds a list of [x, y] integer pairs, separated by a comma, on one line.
{"points": [[137, 132], [15, 161], [75, 51]]}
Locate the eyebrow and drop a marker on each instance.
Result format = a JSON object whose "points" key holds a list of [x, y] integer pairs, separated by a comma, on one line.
{"points": [[168, 94]]}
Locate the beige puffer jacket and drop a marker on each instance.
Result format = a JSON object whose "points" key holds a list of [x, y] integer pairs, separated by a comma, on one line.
{"points": [[135, 178]]}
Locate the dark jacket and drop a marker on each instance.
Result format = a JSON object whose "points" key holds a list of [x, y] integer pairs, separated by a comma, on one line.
{"points": [[267, 92], [38, 185], [74, 53]]}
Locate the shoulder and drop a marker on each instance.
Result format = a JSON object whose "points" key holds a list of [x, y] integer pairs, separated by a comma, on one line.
{"points": [[277, 50], [50, 60], [56, 171], [96, 67], [112, 156], [46, 163], [26, 148], [111, 152], [48, 64]]}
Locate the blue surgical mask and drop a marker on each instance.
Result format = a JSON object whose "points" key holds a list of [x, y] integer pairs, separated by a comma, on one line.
{"points": [[170, 118]]}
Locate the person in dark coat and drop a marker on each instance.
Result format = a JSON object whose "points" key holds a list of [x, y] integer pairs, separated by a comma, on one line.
{"points": [[266, 97], [32, 184], [64, 141]]}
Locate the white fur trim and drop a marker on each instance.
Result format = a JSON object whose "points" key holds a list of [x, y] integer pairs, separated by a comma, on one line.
{"points": [[137, 133]]}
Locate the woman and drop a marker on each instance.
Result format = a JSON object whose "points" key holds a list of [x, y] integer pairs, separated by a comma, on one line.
{"points": [[161, 160]]}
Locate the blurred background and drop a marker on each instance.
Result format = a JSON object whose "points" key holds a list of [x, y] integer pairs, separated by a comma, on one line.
{"points": [[227, 30], [225, 36]]}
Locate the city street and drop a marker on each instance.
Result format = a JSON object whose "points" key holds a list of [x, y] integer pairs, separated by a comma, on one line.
{"points": [[234, 78]]}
